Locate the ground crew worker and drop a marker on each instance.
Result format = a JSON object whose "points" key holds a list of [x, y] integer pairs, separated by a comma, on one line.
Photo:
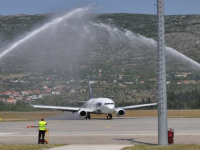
{"points": [[42, 127]]}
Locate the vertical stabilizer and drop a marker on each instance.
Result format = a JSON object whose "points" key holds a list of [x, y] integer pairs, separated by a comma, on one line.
{"points": [[90, 89]]}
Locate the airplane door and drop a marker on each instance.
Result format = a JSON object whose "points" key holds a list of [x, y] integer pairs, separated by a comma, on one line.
{"points": [[98, 106]]}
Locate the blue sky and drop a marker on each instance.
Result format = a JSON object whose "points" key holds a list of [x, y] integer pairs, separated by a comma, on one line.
{"points": [[10, 7]]}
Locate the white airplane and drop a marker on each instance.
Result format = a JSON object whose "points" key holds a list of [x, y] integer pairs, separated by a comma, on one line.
{"points": [[104, 106]]}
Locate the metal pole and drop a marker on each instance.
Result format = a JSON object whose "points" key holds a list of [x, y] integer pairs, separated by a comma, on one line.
{"points": [[161, 77]]}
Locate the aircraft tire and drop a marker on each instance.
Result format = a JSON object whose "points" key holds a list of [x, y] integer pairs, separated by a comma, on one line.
{"points": [[109, 116], [89, 117]]}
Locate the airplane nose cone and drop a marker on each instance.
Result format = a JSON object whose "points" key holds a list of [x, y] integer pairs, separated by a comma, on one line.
{"points": [[109, 109]]}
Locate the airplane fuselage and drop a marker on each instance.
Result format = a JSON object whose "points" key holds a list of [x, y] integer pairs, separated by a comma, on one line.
{"points": [[101, 105]]}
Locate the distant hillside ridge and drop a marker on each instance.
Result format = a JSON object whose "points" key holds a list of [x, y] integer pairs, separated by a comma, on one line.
{"points": [[182, 31]]}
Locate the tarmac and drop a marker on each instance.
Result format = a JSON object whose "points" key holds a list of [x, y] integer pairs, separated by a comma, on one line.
{"points": [[119, 131]]}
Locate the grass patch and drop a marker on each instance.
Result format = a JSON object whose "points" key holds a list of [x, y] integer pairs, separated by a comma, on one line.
{"points": [[28, 147], [170, 147], [22, 116]]}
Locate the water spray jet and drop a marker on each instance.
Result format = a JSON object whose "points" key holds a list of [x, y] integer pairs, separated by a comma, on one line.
{"points": [[132, 36], [88, 34], [44, 27]]}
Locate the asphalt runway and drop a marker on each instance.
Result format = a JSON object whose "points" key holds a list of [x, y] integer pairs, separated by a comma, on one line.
{"points": [[120, 131]]}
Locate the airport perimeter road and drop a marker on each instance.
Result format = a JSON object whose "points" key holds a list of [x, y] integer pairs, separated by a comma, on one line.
{"points": [[121, 131]]}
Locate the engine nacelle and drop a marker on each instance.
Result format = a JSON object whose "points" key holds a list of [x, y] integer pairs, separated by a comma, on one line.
{"points": [[120, 112], [82, 113]]}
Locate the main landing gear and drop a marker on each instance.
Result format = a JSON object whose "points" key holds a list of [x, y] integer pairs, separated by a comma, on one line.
{"points": [[88, 116], [109, 116]]}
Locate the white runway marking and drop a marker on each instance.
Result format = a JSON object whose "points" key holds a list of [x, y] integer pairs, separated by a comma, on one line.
{"points": [[8, 134], [17, 128]]}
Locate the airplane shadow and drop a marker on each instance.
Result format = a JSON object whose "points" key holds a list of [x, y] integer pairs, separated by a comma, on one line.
{"points": [[112, 119], [71, 116], [77, 118], [135, 142], [125, 118]]}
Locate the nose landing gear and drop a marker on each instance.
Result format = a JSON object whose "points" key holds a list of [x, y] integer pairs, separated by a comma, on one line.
{"points": [[109, 116], [88, 116]]}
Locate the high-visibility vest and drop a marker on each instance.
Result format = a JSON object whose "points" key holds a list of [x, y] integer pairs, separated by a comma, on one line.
{"points": [[42, 125]]}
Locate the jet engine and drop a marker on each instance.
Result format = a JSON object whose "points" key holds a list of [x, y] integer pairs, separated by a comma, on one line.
{"points": [[120, 112], [82, 113]]}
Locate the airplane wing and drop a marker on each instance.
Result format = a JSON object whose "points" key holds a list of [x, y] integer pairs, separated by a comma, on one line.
{"points": [[136, 106], [62, 108]]}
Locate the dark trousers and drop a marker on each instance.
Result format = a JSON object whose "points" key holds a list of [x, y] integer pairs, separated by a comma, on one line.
{"points": [[41, 133]]}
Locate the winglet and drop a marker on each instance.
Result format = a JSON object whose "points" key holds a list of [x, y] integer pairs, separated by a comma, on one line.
{"points": [[90, 89]]}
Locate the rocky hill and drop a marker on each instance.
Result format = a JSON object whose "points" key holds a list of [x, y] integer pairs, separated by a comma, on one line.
{"points": [[121, 63], [182, 33]]}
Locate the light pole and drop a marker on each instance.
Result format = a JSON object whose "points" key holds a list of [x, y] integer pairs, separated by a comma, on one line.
{"points": [[161, 77]]}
